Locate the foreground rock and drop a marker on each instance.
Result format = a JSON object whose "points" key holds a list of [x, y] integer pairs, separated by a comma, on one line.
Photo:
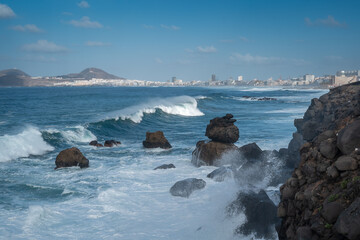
{"points": [[251, 151], [223, 133], [165, 166], [260, 214], [185, 187], [111, 143], [208, 153], [223, 129], [321, 199], [71, 157], [156, 140]]}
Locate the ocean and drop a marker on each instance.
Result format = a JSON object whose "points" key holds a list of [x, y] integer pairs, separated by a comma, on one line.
{"points": [[120, 196]]}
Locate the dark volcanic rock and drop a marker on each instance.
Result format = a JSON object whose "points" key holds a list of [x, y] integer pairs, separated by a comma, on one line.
{"points": [[155, 140], [348, 223], [222, 129], [349, 138], [71, 157], [208, 153], [111, 143], [220, 174], [185, 187], [260, 213], [251, 151], [324, 189], [95, 143], [165, 166]]}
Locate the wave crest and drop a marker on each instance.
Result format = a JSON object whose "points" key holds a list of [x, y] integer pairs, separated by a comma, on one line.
{"points": [[182, 106], [74, 134], [29, 142]]}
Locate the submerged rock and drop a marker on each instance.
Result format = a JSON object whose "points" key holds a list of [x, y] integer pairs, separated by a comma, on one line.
{"points": [[95, 143], [222, 129], [220, 174], [165, 166], [208, 153], [111, 143], [185, 187], [71, 157], [156, 140]]}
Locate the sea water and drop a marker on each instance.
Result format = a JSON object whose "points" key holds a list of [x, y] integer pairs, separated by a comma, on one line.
{"points": [[120, 196]]}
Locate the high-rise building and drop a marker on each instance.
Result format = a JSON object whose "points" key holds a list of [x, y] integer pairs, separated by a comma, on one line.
{"points": [[240, 78], [173, 79], [213, 78]]}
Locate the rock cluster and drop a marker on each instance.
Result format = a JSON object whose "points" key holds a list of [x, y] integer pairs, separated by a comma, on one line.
{"points": [[71, 157], [108, 143], [223, 134], [321, 200], [156, 140]]}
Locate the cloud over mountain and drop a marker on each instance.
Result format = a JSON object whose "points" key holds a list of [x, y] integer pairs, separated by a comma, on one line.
{"points": [[85, 22], [44, 46]]}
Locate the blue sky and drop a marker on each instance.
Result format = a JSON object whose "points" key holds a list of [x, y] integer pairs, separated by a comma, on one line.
{"points": [[157, 39]]}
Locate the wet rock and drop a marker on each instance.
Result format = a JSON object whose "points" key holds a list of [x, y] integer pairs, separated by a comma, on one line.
{"points": [[349, 138], [251, 151], [208, 153], [165, 166], [348, 222], [304, 233], [95, 143], [185, 187], [71, 157], [346, 163], [260, 211], [156, 140], [332, 172], [328, 148], [111, 143], [220, 174], [222, 129]]}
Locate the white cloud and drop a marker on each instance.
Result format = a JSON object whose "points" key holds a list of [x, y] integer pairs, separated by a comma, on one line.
{"points": [[45, 47], [172, 27], [263, 60], [85, 22], [27, 28], [96, 44], [6, 11], [209, 49], [328, 22], [83, 4]]}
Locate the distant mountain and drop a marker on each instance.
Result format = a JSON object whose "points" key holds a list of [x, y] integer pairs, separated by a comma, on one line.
{"points": [[90, 73], [13, 78]]}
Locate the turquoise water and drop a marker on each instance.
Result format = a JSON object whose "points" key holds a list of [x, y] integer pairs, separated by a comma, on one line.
{"points": [[119, 196]]}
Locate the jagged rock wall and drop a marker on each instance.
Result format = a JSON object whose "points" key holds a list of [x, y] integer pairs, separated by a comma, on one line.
{"points": [[322, 198]]}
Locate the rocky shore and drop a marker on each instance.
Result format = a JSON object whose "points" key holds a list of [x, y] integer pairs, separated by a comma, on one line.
{"points": [[321, 200]]}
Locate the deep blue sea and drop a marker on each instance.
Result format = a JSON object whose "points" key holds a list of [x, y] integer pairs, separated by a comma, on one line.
{"points": [[120, 196]]}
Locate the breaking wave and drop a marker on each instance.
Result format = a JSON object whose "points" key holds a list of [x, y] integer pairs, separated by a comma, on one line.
{"points": [[74, 134], [182, 106], [29, 142]]}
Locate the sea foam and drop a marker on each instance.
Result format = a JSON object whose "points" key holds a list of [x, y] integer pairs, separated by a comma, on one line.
{"points": [[74, 134], [29, 142], [182, 106]]}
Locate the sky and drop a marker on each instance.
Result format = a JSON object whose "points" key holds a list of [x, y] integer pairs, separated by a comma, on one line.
{"points": [[155, 40]]}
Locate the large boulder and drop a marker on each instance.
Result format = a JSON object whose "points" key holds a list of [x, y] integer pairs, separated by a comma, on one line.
{"points": [[349, 138], [71, 157], [348, 222], [260, 212], [185, 187], [222, 129], [346, 163], [156, 140], [207, 153]]}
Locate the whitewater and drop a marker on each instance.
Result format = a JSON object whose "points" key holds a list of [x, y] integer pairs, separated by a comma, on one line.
{"points": [[120, 196]]}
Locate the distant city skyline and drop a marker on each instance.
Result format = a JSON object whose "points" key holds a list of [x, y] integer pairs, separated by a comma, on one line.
{"points": [[156, 40]]}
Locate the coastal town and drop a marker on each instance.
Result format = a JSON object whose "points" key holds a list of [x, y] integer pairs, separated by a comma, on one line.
{"points": [[98, 77]]}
